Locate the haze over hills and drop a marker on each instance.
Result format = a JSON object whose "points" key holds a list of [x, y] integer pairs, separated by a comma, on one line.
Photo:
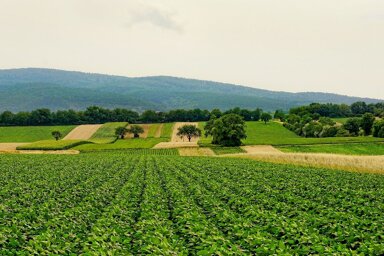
{"points": [[31, 88]]}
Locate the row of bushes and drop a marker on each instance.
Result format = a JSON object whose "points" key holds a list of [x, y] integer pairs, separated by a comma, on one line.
{"points": [[322, 127]]}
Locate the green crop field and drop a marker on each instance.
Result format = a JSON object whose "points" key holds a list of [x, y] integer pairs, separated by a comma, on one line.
{"points": [[106, 133], [122, 144], [152, 130], [118, 204], [53, 145], [274, 133], [166, 132], [31, 133], [347, 148]]}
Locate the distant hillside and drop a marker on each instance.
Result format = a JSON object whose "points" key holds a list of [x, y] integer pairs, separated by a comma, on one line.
{"points": [[31, 88]]}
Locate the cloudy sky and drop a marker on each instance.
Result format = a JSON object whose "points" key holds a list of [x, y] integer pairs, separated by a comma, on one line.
{"points": [[290, 45]]}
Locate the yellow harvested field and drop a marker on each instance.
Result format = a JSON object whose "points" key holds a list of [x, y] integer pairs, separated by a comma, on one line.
{"points": [[196, 152], [260, 149], [10, 146], [371, 164], [82, 132]]}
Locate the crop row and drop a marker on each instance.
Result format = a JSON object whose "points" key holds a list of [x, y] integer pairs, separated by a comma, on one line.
{"points": [[113, 203]]}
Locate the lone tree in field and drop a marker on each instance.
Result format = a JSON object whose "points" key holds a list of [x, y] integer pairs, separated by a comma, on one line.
{"points": [[121, 131], [266, 117], [136, 130], [228, 130], [57, 135], [189, 131]]}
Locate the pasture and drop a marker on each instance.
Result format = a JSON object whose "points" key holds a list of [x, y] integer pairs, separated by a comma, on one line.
{"points": [[31, 133], [118, 203]]}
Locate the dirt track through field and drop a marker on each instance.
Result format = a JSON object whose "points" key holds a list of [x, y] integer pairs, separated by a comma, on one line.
{"points": [[260, 149], [82, 132]]}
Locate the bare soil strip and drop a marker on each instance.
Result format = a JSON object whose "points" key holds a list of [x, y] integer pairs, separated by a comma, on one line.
{"points": [[176, 145], [143, 135], [10, 146], [158, 131], [82, 132], [196, 152], [261, 149]]}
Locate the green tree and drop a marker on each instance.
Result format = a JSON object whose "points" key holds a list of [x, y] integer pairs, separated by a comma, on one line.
{"points": [[378, 129], [367, 123], [266, 117], [121, 131], [189, 131], [57, 135], [135, 130], [279, 114], [352, 125], [229, 130]]}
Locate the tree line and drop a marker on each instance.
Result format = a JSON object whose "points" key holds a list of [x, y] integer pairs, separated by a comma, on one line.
{"points": [[98, 115], [356, 109]]}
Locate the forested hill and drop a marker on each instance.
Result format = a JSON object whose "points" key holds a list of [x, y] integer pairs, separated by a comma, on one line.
{"points": [[32, 88]]}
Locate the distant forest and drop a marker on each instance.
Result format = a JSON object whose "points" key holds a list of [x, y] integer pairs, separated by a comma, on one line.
{"points": [[97, 115]]}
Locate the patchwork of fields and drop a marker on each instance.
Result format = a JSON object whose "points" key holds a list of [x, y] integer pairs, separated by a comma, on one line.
{"points": [[100, 203]]}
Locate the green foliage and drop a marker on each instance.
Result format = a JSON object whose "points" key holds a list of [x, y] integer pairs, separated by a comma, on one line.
{"points": [[189, 131], [57, 135], [31, 133], [114, 203], [121, 131], [135, 130], [228, 130], [53, 145], [352, 125], [265, 117], [348, 148], [367, 121], [279, 114], [378, 129]]}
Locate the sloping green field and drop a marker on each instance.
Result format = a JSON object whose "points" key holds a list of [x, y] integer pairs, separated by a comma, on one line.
{"points": [[106, 133], [136, 204], [31, 133], [274, 133]]}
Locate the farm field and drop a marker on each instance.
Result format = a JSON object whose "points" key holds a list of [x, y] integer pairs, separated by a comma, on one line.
{"points": [[106, 133], [52, 145], [274, 133], [111, 202], [347, 149], [122, 144], [31, 133]]}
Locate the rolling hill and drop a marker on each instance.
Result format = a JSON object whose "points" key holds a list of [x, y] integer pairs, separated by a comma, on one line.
{"points": [[31, 88]]}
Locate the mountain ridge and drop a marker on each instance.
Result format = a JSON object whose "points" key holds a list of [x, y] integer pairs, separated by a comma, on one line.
{"points": [[25, 89]]}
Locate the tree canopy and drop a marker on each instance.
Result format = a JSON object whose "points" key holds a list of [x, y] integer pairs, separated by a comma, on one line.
{"points": [[136, 130], [228, 130], [189, 131]]}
